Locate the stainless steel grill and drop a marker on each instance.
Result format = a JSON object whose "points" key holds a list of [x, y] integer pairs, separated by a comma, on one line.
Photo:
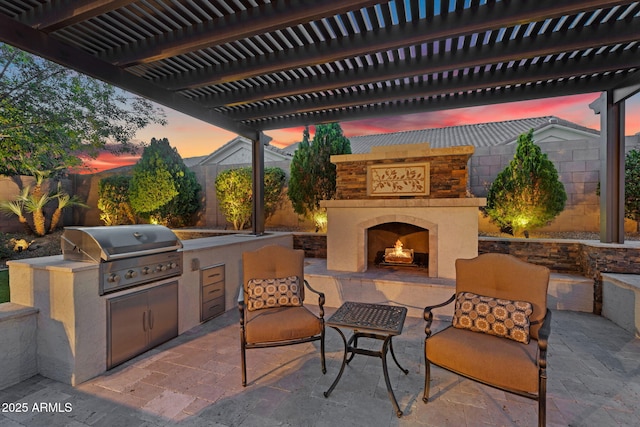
{"points": [[128, 255]]}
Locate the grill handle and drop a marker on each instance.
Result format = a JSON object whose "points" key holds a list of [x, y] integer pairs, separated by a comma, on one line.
{"points": [[144, 321], [76, 248], [143, 252]]}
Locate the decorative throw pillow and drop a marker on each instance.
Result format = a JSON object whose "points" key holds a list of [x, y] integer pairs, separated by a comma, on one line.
{"points": [[494, 316], [270, 293]]}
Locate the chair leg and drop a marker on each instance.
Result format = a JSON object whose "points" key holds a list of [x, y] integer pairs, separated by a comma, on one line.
{"points": [[542, 400], [243, 360], [427, 380], [322, 359]]}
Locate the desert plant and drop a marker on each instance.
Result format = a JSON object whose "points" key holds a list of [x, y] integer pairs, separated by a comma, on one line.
{"points": [[33, 200], [34, 203], [16, 207], [65, 200], [527, 194]]}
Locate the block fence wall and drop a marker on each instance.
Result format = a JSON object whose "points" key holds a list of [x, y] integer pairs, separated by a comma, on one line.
{"points": [[577, 162], [578, 166]]}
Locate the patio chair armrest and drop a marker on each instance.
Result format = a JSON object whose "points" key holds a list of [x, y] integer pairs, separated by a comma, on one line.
{"points": [[321, 299], [428, 315], [543, 340]]}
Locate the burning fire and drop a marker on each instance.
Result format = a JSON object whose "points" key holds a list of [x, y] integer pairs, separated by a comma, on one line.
{"points": [[399, 252]]}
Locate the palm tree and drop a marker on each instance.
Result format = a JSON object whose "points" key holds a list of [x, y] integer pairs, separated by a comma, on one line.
{"points": [[16, 207], [64, 200], [35, 204]]}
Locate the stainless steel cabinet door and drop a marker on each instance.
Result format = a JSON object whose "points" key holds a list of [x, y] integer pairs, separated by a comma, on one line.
{"points": [[127, 327], [140, 321], [163, 313]]}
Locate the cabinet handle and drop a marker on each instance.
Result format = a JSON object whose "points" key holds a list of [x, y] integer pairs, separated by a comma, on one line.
{"points": [[144, 321], [214, 291], [150, 319], [214, 307]]}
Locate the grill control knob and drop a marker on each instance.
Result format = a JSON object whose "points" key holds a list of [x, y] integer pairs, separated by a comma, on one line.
{"points": [[173, 265], [161, 267], [145, 270], [130, 274], [113, 278]]}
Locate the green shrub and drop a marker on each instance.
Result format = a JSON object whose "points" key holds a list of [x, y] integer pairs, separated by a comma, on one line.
{"points": [[162, 188], [113, 200], [632, 186], [4, 286], [313, 176], [235, 194], [527, 194]]}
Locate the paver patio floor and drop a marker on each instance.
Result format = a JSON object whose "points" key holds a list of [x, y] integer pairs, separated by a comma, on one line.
{"points": [[194, 380]]}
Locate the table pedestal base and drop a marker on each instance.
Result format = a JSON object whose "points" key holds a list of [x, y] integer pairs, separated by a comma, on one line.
{"points": [[351, 349]]}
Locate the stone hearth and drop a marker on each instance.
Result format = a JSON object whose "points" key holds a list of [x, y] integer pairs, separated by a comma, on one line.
{"points": [[408, 184]]}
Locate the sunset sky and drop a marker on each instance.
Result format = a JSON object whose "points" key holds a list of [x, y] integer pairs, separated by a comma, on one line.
{"points": [[192, 137]]}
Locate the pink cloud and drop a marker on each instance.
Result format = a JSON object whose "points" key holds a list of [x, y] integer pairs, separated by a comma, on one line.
{"points": [[573, 108], [192, 137]]}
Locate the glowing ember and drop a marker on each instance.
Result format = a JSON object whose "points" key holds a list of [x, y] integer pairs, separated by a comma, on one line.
{"points": [[398, 255]]}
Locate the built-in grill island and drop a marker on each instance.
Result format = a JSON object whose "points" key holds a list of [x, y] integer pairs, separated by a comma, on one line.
{"points": [[118, 291], [128, 255]]}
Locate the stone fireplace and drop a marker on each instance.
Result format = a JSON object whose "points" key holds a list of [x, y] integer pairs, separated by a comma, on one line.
{"points": [[409, 195]]}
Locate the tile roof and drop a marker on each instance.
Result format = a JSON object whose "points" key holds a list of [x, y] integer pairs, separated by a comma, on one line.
{"points": [[478, 135]]}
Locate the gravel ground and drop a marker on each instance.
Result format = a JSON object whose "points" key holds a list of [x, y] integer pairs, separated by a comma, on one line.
{"points": [[39, 247]]}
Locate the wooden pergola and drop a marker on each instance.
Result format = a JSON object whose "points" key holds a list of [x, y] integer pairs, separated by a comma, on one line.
{"points": [[253, 65]]}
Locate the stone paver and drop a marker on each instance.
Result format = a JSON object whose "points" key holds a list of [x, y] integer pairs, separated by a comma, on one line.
{"points": [[194, 380]]}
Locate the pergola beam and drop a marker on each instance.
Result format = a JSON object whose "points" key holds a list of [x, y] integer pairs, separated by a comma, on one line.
{"points": [[270, 17], [56, 14], [447, 102], [486, 55], [469, 21], [540, 72], [627, 88]]}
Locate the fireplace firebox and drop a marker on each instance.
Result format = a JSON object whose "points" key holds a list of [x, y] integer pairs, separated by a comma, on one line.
{"points": [[396, 244]]}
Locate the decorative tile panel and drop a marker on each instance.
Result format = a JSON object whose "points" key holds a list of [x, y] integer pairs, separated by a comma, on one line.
{"points": [[398, 179]]}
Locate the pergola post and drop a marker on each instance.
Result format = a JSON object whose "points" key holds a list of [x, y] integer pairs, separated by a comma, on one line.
{"points": [[612, 156], [257, 163]]}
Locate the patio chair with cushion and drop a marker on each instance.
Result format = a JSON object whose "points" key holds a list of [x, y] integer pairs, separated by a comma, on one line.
{"points": [[500, 327], [271, 303]]}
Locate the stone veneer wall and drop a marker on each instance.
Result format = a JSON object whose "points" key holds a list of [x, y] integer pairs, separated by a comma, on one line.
{"points": [[448, 171], [560, 256], [313, 244], [583, 258]]}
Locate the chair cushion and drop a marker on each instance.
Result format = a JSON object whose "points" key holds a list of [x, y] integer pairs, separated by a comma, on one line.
{"points": [[281, 324], [271, 293], [494, 316], [504, 363]]}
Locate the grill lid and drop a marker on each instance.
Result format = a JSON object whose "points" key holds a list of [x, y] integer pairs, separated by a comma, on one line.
{"points": [[100, 244]]}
